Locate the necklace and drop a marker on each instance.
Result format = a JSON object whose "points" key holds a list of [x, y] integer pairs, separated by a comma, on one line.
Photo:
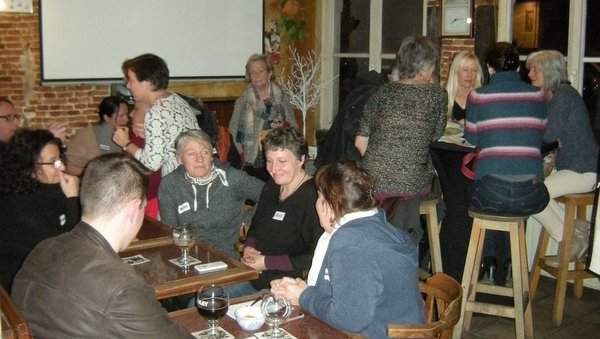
{"points": [[282, 197]]}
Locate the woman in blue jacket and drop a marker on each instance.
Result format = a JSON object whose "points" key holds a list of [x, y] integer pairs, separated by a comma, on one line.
{"points": [[363, 275]]}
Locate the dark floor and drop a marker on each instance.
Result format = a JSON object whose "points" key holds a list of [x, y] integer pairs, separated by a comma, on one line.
{"points": [[581, 318]]}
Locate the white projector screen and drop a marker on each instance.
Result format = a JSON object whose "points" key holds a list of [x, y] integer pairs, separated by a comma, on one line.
{"points": [[88, 40]]}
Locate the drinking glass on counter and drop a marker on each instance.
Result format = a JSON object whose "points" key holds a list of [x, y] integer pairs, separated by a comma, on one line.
{"points": [[212, 302], [276, 311], [184, 239]]}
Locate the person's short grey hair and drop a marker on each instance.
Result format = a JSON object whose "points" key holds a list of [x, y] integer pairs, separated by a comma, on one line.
{"points": [[416, 53], [552, 64], [109, 182], [191, 135], [262, 58]]}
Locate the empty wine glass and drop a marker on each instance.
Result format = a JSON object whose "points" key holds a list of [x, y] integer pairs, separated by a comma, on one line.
{"points": [[212, 302], [184, 239], [276, 311]]}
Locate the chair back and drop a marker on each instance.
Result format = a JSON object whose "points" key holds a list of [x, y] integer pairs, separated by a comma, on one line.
{"points": [[443, 298], [16, 322], [262, 134]]}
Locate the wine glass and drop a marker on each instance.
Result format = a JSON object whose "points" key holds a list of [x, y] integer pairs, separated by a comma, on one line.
{"points": [[212, 302], [184, 239], [276, 310]]}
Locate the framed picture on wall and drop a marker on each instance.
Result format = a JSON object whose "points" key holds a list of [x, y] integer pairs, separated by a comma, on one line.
{"points": [[16, 6], [457, 18]]}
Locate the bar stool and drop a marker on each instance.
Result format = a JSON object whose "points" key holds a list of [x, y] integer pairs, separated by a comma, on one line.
{"points": [[428, 208], [521, 312], [575, 208]]}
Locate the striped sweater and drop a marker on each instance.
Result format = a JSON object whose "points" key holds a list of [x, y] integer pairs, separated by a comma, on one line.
{"points": [[506, 120]]}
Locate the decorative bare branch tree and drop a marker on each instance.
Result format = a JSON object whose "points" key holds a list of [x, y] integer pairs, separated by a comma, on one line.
{"points": [[303, 84]]}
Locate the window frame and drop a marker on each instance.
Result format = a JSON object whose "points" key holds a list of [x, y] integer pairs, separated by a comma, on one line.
{"points": [[330, 44]]}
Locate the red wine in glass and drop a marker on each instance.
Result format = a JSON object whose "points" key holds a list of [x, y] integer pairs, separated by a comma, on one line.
{"points": [[212, 303]]}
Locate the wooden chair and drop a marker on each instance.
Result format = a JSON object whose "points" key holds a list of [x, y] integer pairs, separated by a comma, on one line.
{"points": [[575, 208], [239, 245], [16, 321], [442, 296], [262, 134]]}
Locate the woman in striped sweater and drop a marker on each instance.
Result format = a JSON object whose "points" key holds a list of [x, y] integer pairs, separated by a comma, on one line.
{"points": [[506, 120]]}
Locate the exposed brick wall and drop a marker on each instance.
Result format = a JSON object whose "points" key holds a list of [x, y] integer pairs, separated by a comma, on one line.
{"points": [[20, 78]]}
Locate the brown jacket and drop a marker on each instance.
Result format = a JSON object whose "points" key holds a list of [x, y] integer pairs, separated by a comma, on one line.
{"points": [[75, 286]]}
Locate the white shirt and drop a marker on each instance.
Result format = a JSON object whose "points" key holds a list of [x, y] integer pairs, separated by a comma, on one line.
{"points": [[323, 243]]}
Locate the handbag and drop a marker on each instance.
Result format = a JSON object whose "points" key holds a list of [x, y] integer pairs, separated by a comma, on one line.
{"points": [[471, 159]]}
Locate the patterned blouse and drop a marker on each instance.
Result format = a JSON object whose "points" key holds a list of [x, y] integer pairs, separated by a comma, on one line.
{"points": [[165, 120], [401, 121]]}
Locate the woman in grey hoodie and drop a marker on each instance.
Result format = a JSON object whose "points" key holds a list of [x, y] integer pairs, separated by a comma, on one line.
{"points": [[205, 194]]}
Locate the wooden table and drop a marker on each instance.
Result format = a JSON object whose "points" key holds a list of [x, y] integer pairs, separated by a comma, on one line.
{"points": [[306, 327], [170, 280], [153, 233]]}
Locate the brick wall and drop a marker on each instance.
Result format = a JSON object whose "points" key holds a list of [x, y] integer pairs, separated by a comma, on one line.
{"points": [[20, 78], [451, 47]]}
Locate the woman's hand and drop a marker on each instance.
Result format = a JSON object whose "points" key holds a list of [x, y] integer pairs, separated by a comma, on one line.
{"points": [[59, 130], [121, 136], [289, 288], [361, 144], [69, 184], [254, 259], [138, 129]]}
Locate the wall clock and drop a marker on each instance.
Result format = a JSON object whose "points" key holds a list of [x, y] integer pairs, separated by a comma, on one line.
{"points": [[457, 19]]}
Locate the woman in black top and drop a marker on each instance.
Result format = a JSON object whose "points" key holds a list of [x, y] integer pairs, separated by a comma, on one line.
{"points": [[38, 200]]}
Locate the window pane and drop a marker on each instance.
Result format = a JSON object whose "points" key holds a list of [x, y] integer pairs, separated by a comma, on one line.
{"points": [[541, 25], [591, 93], [592, 28], [349, 67], [354, 27], [400, 19], [387, 65]]}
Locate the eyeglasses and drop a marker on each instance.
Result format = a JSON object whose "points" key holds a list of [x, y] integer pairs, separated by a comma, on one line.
{"points": [[11, 118], [56, 163]]}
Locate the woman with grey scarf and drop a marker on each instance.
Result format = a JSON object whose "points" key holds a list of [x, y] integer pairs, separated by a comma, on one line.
{"points": [[205, 194], [262, 106]]}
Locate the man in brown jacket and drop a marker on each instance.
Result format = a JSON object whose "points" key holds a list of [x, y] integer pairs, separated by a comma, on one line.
{"points": [[75, 285]]}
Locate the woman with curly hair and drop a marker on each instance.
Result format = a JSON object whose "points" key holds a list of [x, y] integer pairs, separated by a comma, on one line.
{"points": [[38, 200]]}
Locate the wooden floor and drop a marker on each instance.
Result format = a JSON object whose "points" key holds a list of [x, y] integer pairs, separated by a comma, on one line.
{"points": [[580, 320]]}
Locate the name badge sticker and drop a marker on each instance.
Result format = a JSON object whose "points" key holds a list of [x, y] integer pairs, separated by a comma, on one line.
{"points": [[279, 216], [104, 147], [183, 207]]}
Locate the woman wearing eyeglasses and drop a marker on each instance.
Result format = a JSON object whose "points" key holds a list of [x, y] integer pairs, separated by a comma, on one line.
{"points": [[37, 200]]}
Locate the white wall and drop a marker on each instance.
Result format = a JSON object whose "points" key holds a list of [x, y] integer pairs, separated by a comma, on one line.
{"points": [[89, 39]]}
